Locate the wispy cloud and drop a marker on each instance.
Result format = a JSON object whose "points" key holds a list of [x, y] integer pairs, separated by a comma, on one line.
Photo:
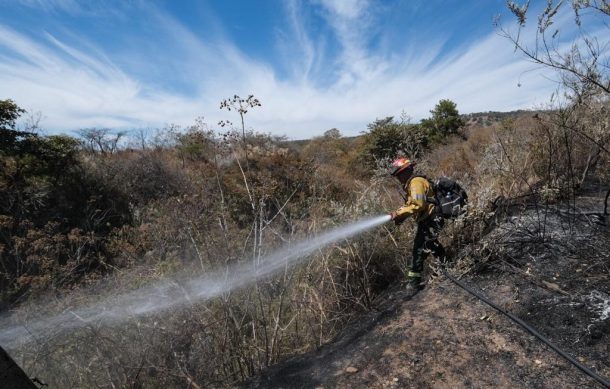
{"points": [[298, 43], [353, 25], [76, 88], [347, 9], [53, 5]]}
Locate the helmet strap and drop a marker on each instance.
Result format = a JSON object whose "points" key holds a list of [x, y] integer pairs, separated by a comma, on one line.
{"points": [[405, 175]]}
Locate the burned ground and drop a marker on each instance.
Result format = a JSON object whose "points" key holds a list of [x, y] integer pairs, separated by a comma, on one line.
{"points": [[548, 266]]}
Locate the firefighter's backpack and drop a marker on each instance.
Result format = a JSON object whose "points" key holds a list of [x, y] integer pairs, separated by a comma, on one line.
{"points": [[450, 197]]}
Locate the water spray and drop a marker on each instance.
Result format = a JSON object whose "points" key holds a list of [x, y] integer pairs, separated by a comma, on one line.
{"points": [[166, 294]]}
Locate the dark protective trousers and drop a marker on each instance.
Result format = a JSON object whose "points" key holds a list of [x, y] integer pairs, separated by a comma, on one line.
{"points": [[426, 241]]}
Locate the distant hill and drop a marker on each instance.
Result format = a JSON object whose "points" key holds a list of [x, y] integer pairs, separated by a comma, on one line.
{"points": [[490, 117], [484, 119]]}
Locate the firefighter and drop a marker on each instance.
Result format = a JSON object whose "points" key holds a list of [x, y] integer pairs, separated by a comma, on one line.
{"points": [[421, 206]]}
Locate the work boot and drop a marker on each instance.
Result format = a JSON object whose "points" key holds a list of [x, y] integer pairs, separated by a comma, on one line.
{"points": [[414, 285]]}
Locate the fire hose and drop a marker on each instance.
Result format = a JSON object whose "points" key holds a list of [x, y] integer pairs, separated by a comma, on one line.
{"points": [[602, 380]]}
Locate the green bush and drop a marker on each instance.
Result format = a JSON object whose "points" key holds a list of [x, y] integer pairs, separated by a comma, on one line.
{"points": [[387, 139], [445, 121], [55, 214]]}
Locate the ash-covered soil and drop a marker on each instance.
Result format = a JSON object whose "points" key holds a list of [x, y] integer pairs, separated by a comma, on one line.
{"points": [[550, 267]]}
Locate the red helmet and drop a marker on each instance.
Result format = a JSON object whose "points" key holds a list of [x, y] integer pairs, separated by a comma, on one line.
{"points": [[400, 165]]}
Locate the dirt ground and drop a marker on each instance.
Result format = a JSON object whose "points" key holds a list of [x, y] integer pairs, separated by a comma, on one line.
{"points": [[445, 338]]}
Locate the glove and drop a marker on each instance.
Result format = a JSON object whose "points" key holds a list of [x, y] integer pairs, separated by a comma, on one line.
{"points": [[396, 221]]}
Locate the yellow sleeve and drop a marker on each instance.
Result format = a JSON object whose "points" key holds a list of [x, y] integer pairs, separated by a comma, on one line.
{"points": [[416, 202]]}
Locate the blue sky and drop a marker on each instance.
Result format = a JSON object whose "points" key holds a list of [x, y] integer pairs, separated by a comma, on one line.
{"points": [[314, 64]]}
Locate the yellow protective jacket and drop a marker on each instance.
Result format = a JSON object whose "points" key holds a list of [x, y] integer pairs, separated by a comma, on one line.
{"points": [[419, 190]]}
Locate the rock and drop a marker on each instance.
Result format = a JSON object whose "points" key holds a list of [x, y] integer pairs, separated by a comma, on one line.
{"points": [[351, 369], [554, 287]]}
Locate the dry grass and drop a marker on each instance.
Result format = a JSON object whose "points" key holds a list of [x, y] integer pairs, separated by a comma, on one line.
{"points": [[200, 213]]}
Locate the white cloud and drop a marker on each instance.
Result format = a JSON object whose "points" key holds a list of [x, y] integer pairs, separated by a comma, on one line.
{"points": [[298, 42], [348, 9], [71, 6], [76, 89], [353, 24]]}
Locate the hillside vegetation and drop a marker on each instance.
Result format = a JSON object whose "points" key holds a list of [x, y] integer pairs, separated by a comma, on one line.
{"points": [[89, 217]]}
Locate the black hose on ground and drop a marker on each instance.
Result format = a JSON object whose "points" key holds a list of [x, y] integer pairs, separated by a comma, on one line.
{"points": [[604, 381]]}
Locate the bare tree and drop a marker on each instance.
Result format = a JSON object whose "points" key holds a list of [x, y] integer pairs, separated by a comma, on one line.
{"points": [[165, 137], [575, 132], [583, 66], [141, 138], [103, 140], [32, 122]]}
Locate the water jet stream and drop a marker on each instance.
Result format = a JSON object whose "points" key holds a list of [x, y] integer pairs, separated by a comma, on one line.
{"points": [[167, 294]]}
